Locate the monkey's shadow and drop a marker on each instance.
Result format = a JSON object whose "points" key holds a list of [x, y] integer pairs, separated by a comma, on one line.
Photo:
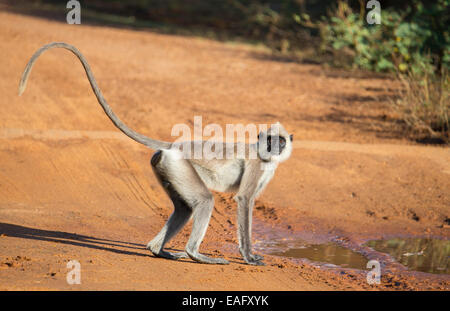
{"points": [[17, 231]]}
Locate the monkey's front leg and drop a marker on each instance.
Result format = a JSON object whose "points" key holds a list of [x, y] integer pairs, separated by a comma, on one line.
{"points": [[245, 208]]}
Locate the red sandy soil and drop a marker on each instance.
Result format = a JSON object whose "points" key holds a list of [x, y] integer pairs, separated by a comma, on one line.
{"points": [[73, 187]]}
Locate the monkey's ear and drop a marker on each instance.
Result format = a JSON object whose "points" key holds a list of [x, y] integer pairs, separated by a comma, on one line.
{"points": [[291, 137]]}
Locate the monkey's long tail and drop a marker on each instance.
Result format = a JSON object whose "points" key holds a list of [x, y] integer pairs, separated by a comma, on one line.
{"points": [[147, 141]]}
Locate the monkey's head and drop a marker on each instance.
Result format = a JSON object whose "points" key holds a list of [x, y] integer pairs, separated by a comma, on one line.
{"points": [[275, 144]]}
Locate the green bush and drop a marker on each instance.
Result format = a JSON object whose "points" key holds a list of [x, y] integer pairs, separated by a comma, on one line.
{"points": [[414, 44], [415, 40]]}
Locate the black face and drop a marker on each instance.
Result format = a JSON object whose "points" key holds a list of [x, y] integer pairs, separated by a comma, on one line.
{"points": [[273, 141]]}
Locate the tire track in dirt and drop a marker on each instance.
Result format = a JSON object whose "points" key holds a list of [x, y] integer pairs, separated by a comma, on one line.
{"points": [[129, 178], [440, 155]]}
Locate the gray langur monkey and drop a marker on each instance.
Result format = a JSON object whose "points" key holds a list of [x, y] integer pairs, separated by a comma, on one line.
{"points": [[187, 180]]}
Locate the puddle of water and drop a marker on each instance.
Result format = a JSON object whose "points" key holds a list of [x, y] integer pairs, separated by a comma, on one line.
{"points": [[425, 255], [327, 253]]}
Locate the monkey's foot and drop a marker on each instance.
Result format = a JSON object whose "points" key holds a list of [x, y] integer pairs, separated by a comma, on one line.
{"points": [[165, 254], [254, 259], [170, 255], [250, 258], [205, 259], [254, 262]]}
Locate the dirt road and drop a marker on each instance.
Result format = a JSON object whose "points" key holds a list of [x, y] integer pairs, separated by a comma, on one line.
{"points": [[72, 187]]}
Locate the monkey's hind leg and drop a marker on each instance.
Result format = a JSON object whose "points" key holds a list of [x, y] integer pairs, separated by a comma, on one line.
{"points": [[173, 225], [190, 196], [180, 216]]}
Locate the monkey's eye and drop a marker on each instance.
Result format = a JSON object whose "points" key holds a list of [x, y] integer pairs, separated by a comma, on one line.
{"points": [[269, 143], [282, 141]]}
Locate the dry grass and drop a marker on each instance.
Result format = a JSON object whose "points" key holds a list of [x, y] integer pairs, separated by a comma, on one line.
{"points": [[423, 103]]}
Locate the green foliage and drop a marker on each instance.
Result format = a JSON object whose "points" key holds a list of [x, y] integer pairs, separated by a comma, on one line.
{"points": [[416, 40], [413, 43], [263, 21]]}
